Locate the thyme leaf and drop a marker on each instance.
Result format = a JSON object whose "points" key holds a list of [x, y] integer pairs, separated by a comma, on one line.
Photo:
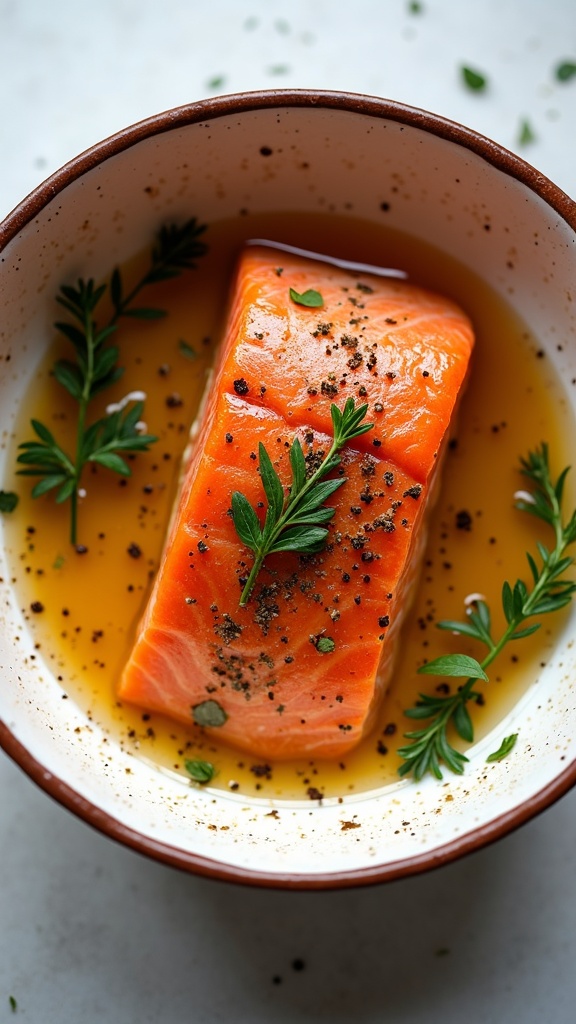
{"points": [[200, 771], [474, 80], [209, 713], [507, 745], [95, 368], [548, 592], [325, 645], [8, 501], [565, 70], [310, 298], [295, 519]]}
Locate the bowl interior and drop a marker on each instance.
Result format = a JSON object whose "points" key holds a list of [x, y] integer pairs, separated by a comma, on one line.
{"points": [[359, 159]]}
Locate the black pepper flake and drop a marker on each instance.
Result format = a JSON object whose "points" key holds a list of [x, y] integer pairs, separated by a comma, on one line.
{"points": [[346, 577], [81, 549], [229, 438], [367, 556], [413, 492], [36, 607], [228, 630], [134, 551], [381, 747], [241, 386], [463, 520], [174, 400], [202, 547], [314, 794], [322, 330], [425, 373], [377, 443], [357, 599], [384, 621], [390, 729]]}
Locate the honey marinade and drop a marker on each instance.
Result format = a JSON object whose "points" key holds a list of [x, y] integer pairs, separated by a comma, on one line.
{"points": [[88, 604]]}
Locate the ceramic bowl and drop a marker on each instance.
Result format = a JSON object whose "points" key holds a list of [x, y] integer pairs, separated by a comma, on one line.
{"points": [[287, 151]]}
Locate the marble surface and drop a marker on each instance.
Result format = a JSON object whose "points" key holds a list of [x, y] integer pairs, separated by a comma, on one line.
{"points": [[90, 931]]}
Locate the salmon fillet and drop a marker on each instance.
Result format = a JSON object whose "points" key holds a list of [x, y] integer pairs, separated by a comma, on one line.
{"points": [[256, 675]]}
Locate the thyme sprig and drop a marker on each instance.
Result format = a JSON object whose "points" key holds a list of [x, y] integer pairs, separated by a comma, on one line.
{"points": [[294, 518], [107, 440], [548, 592]]}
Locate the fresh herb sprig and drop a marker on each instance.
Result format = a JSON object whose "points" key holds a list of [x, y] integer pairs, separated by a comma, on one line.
{"points": [[294, 519], [95, 368], [548, 592]]}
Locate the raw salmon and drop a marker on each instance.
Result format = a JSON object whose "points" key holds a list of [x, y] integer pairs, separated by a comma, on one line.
{"points": [[257, 675]]}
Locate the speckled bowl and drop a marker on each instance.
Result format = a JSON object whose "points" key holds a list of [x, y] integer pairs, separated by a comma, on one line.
{"points": [[453, 182]]}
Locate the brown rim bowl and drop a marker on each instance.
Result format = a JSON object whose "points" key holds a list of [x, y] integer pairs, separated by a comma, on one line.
{"points": [[298, 152]]}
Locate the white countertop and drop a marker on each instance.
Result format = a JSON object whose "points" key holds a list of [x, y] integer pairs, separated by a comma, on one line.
{"points": [[90, 931]]}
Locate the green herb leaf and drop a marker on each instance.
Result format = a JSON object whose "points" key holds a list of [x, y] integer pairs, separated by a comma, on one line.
{"points": [[460, 665], [294, 516], [95, 368], [188, 351], [271, 483], [13, 1004], [246, 521], [145, 313], [565, 70], [526, 134], [508, 744], [325, 645], [310, 298], [200, 771], [429, 747], [216, 82], [209, 713], [8, 501], [474, 80], [298, 465], [463, 723]]}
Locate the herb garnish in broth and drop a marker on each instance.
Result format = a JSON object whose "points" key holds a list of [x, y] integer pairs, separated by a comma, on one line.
{"points": [[107, 440], [429, 747]]}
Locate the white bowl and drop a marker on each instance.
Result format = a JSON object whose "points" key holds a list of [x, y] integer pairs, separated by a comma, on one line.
{"points": [[439, 182]]}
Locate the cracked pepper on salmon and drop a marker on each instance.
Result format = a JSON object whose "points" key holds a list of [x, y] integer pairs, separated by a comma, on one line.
{"points": [[257, 675]]}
